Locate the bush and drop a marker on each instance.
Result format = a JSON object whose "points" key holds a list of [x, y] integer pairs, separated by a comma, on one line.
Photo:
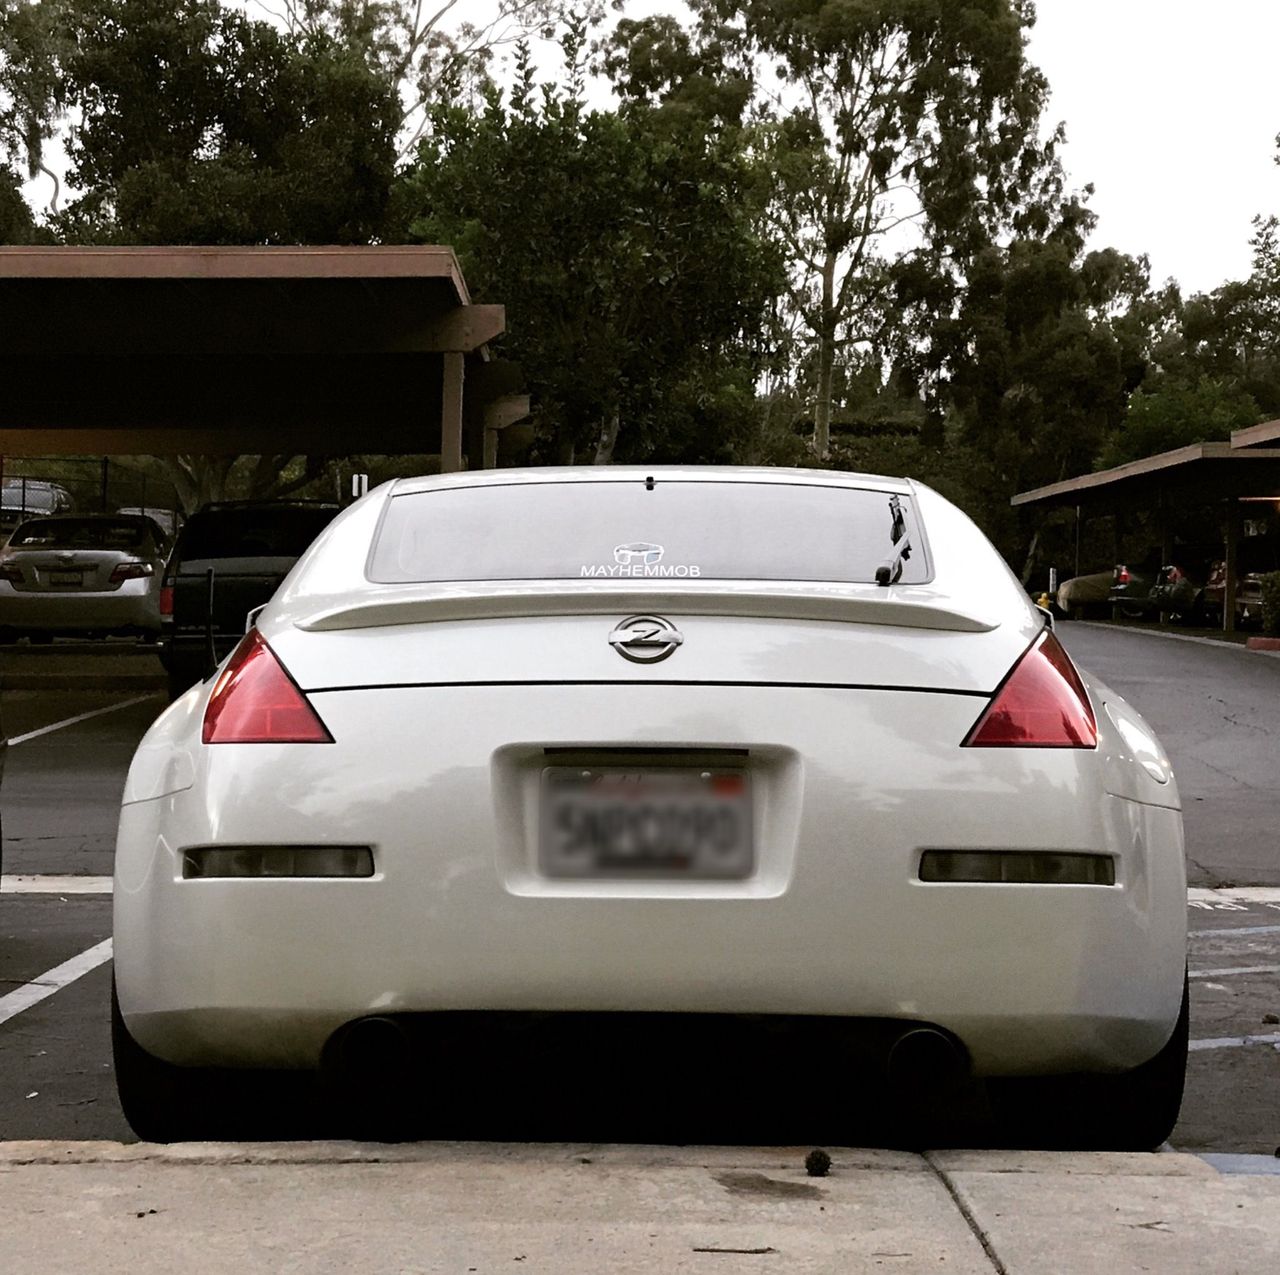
{"points": [[1271, 604]]}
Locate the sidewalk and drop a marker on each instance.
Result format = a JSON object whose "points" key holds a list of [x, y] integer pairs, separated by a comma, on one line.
{"points": [[427, 1207], [81, 666]]}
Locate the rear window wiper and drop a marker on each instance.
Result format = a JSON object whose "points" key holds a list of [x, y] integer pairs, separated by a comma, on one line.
{"points": [[890, 570]]}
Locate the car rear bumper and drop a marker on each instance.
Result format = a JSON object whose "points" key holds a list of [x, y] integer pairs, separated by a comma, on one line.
{"points": [[833, 921], [128, 607]]}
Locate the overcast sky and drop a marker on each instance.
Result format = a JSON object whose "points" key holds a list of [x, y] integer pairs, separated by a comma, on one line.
{"points": [[1172, 112]]}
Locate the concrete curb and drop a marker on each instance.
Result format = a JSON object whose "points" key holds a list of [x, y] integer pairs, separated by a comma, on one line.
{"points": [[776, 1159], [1221, 643]]}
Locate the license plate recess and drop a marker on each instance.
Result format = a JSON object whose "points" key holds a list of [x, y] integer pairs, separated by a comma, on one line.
{"points": [[646, 822]]}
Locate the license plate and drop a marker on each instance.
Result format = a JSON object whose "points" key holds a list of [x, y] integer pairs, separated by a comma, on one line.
{"points": [[66, 577], [676, 822]]}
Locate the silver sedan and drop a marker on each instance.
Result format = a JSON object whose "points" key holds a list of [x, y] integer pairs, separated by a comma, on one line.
{"points": [[82, 574]]}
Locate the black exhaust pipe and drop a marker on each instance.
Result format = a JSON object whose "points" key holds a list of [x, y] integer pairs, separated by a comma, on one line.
{"points": [[926, 1059], [375, 1050]]}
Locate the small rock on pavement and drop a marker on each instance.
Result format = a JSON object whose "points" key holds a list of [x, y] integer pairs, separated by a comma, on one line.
{"points": [[1271, 1018], [817, 1164]]}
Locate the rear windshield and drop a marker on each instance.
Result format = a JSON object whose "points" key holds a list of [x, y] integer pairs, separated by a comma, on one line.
{"points": [[622, 530], [79, 533], [284, 532]]}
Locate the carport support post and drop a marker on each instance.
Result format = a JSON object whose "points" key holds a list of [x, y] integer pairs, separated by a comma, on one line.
{"points": [[451, 413], [1229, 572], [1166, 538]]}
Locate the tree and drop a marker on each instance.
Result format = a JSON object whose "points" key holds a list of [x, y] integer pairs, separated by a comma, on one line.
{"points": [[1173, 415], [899, 130], [197, 125], [17, 226], [416, 49], [1037, 359], [626, 248], [28, 83]]}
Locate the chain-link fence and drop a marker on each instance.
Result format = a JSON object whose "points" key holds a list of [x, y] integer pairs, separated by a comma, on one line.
{"points": [[34, 485]]}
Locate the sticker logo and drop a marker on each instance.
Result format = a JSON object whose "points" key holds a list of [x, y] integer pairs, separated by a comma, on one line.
{"points": [[639, 558], [638, 554]]}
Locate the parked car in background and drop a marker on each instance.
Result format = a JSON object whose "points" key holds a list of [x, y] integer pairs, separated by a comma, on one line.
{"points": [[22, 498], [228, 559], [1130, 593], [165, 518], [1248, 596], [1082, 595], [1176, 594], [86, 574]]}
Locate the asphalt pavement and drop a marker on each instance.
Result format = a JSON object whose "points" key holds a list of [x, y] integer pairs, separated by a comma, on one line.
{"points": [[1217, 711]]}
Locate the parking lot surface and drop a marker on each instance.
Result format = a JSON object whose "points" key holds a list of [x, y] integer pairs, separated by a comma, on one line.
{"points": [[1218, 712]]}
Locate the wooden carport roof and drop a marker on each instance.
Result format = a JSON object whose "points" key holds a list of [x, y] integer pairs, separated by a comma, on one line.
{"points": [[317, 350], [1246, 468], [1209, 470]]}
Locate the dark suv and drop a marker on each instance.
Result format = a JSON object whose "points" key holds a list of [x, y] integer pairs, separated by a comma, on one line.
{"points": [[229, 558]]}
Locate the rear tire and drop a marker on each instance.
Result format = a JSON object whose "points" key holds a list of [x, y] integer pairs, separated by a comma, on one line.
{"points": [[166, 1103], [1133, 1111]]}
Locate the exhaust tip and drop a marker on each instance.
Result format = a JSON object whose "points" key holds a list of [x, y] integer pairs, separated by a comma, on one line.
{"points": [[370, 1048], [925, 1058]]}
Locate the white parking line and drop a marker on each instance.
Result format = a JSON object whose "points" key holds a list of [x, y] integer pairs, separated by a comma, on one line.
{"points": [[1239, 969], [1233, 930], [1235, 1042], [80, 717], [24, 883], [54, 980], [1234, 894]]}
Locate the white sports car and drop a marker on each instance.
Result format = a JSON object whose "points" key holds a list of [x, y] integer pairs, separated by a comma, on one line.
{"points": [[783, 746]]}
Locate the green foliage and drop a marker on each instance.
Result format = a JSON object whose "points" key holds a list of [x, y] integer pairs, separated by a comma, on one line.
{"points": [[1037, 361], [17, 225], [199, 125], [1271, 604], [1172, 414], [627, 250], [29, 37]]}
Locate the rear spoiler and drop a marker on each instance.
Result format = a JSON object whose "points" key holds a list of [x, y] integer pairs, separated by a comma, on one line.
{"points": [[924, 608]]}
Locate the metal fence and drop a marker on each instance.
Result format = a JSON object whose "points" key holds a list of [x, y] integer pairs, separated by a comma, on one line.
{"points": [[33, 485]]}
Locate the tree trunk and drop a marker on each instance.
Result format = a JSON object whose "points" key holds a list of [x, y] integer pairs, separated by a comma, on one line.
{"points": [[1032, 553], [826, 361], [608, 439], [565, 451]]}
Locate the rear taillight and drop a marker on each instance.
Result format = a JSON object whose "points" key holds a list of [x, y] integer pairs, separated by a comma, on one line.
{"points": [[131, 571], [1041, 704], [1122, 575], [166, 599], [256, 702], [11, 573]]}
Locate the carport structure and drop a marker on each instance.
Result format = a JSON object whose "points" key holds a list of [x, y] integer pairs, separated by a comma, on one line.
{"points": [[1229, 475], [226, 351]]}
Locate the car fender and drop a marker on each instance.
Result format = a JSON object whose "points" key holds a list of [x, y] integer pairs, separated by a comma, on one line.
{"points": [[1134, 763], [164, 764]]}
